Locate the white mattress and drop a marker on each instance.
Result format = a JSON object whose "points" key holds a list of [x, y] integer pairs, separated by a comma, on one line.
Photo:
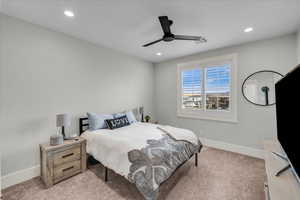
{"points": [[111, 147]]}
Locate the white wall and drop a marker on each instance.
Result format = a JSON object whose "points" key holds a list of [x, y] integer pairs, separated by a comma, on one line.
{"points": [[0, 105], [255, 123], [0, 176], [43, 73]]}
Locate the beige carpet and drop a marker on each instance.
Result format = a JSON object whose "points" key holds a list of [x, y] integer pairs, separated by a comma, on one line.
{"points": [[220, 175]]}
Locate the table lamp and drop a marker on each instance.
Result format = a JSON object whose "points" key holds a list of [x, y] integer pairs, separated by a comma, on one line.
{"points": [[63, 120]]}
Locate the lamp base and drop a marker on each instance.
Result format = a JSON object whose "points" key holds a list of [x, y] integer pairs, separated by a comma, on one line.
{"points": [[63, 132], [142, 118]]}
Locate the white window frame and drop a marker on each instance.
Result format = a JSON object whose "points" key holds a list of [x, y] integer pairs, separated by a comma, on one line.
{"points": [[217, 115]]}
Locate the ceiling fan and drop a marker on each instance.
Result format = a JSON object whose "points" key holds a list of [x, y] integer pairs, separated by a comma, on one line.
{"points": [[168, 36]]}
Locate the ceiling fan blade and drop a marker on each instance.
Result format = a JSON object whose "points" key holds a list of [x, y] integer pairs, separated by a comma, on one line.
{"points": [[165, 24], [156, 41], [187, 37]]}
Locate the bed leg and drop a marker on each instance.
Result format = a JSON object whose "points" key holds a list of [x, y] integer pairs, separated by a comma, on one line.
{"points": [[106, 174], [196, 159]]}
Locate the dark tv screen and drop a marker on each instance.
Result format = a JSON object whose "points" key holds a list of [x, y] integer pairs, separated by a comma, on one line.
{"points": [[288, 117]]}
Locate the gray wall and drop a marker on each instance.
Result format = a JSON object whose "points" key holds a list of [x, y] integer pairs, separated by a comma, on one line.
{"points": [[255, 123], [43, 73], [298, 45]]}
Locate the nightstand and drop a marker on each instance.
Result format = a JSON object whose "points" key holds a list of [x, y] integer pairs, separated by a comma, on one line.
{"points": [[62, 161]]}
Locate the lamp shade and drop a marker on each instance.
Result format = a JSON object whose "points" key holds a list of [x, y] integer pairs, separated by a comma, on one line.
{"points": [[63, 120]]}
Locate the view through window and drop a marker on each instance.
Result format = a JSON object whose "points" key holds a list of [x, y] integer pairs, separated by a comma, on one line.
{"points": [[192, 89], [211, 83]]}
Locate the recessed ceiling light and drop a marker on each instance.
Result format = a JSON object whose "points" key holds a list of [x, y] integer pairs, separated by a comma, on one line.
{"points": [[158, 54], [69, 13], [247, 30]]}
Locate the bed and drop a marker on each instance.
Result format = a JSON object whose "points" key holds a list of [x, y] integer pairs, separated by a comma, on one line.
{"points": [[145, 154]]}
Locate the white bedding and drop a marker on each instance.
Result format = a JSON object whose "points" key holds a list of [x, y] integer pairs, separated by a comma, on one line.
{"points": [[111, 147]]}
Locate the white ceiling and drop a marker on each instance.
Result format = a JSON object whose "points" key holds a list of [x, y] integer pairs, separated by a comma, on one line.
{"points": [[125, 25]]}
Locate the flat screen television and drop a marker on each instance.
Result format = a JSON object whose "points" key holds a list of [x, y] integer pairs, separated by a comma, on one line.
{"points": [[288, 117]]}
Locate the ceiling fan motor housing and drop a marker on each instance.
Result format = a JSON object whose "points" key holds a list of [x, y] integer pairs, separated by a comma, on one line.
{"points": [[168, 37]]}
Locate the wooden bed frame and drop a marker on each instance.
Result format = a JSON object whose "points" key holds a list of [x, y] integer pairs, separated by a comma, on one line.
{"points": [[84, 125]]}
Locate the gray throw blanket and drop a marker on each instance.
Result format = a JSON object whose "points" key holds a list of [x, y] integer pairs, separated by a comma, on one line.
{"points": [[155, 163]]}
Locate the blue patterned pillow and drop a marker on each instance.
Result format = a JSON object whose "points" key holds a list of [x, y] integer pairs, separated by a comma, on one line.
{"points": [[117, 115], [97, 121]]}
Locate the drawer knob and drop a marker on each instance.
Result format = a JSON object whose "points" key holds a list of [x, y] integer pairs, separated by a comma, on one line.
{"points": [[70, 154], [66, 169]]}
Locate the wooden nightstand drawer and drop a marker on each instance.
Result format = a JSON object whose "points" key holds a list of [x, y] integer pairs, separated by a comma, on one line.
{"points": [[67, 156], [62, 161], [66, 170]]}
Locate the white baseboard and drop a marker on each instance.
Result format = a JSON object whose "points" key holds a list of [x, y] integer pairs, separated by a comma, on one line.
{"points": [[26, 174], [20, 176], [256, 153]]}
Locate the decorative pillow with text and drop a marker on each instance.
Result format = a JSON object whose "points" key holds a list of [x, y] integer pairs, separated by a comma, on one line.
{"points": [[117, 122]]}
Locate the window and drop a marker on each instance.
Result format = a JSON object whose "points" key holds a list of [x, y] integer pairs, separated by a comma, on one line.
{"points": [[192, 89], [207, 89], [217, 87]]}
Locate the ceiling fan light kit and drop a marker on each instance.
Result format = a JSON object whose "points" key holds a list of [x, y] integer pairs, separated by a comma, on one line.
{"points": [[169, 36]]}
